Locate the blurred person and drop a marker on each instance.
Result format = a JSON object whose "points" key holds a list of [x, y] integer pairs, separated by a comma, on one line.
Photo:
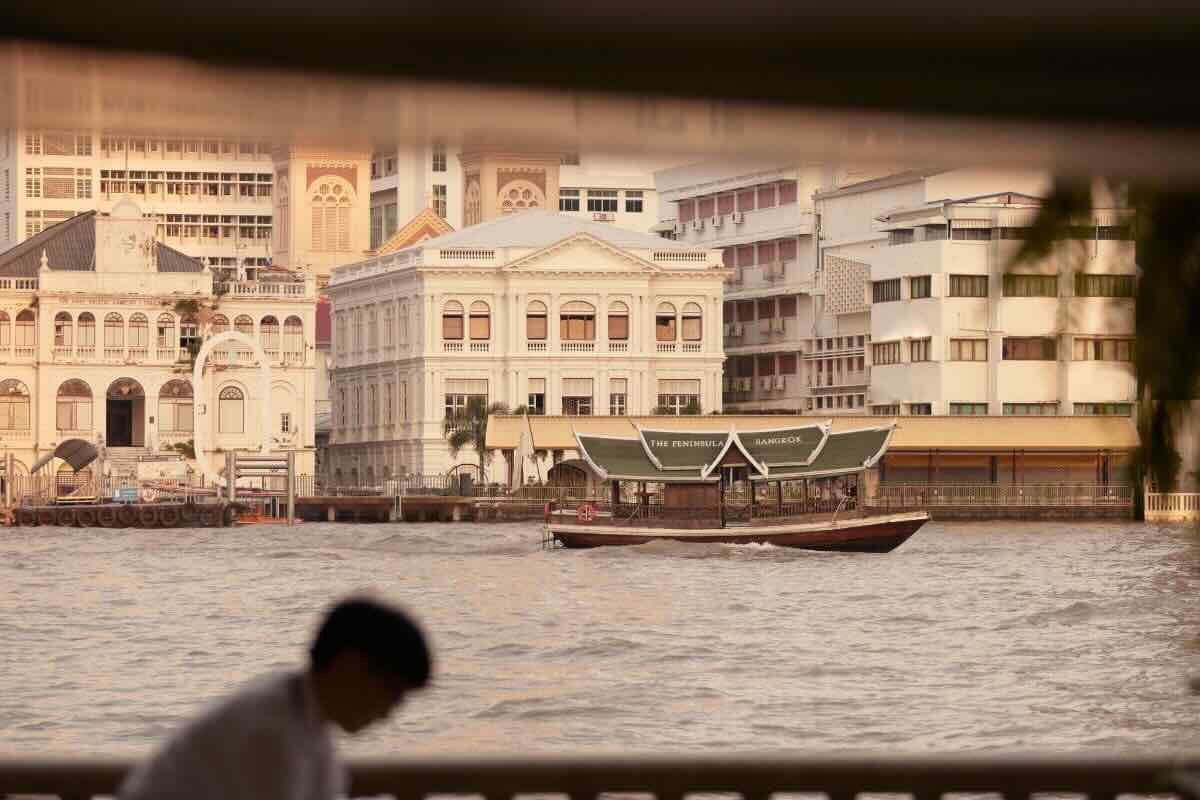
{"points": [[272, 740]]}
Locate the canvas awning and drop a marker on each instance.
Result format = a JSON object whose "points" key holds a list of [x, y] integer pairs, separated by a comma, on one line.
{"points": [[76, 452]]}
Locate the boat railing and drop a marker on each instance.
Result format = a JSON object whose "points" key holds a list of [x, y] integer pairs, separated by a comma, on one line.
{"points": [[750, 777]]}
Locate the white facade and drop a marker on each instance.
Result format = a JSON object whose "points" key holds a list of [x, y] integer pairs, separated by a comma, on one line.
{"points": [[598, 187], [209, 197], [958, 328], [98, 326], [532, 309]]}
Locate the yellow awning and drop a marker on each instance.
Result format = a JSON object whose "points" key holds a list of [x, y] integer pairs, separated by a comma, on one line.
{"points": [[912, 433]]}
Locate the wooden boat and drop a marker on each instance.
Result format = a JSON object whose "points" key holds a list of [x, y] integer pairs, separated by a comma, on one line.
{"points": [[815, 475], [870, 534]]}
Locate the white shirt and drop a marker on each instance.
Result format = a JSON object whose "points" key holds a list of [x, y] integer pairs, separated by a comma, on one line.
{"points": [[266, 742]]}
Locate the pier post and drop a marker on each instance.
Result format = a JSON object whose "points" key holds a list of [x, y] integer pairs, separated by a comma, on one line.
{"points": [[8, 480], [291, 487], [231, 475]]}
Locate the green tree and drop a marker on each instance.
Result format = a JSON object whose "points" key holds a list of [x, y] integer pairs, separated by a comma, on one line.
{"points": [[1166, 233], [468, 428]]}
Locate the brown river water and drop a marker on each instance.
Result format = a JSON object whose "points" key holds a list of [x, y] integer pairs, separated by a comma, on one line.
{"points": [[970, 637]]}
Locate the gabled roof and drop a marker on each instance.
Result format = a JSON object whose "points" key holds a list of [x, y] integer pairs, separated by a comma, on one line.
{"points": [[538, 228], [841, 454], [620, 458], [674, 456], [71, 246], [425, 225]]}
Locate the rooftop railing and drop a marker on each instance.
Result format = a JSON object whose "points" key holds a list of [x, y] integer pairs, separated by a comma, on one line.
{"points": [[751, 777]]}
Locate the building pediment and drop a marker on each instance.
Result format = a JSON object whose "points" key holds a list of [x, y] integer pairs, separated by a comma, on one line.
{"points": [[581, 253]]}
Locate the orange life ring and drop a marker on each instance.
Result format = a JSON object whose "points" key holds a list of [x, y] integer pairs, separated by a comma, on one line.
{"points": [[585, 513]]}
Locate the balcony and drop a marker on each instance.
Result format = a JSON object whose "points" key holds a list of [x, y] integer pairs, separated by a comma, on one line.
{"points": [[452, 347], [480, 347], [618, 347], [665, 347], [536, 347], [578, 347], [691, 347]]}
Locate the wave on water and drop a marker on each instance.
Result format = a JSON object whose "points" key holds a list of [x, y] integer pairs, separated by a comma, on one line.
{"points": [[1079, 611]]}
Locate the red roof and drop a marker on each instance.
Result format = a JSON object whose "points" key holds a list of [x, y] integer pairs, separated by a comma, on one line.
{"points": [[324, 321]]}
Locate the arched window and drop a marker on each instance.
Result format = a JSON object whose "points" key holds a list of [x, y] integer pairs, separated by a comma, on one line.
{"points": [[25, 339], [231, 410], [692, 327], [331, 216], [74, 406], [166, 336], [293, 339], [139, 335], [243, 324], [535, 321], [62, 330], [114, 335], [268, 331], [219, 324], [175, 407], [5, 331], [14, 406], [577, 322], [452, 321], [664, 323], [87, 333], [481, 321], [618, 322], [388, 325], [520, 195]]}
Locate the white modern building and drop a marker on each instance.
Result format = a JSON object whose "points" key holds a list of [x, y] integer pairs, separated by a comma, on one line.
{"points": [[208, 197], [100, 325], [405, 180], [847, 291], [537, 309], [958, 327]]}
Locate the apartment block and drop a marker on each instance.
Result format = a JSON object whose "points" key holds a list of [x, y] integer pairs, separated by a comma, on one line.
{"points": [[210, 198]]}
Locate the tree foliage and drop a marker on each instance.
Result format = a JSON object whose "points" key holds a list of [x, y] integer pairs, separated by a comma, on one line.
{"points": [[468, 428], [1166, 232]]}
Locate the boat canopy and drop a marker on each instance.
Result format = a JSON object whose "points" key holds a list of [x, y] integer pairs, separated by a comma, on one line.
{"points": [[76, 452], [677, 456]]}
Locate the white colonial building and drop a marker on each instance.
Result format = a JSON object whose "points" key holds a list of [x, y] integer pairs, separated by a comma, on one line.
{"points": [[99, 328], [533, 309]]}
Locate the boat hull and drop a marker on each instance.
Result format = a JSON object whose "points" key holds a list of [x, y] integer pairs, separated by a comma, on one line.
{"points": [[879, 534]]}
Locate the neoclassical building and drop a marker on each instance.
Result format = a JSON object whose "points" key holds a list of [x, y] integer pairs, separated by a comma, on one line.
{"points": [[533, 309], [99, 327]]}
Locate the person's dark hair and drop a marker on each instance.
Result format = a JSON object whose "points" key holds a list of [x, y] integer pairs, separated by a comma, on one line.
{"points": [[389, 638]]}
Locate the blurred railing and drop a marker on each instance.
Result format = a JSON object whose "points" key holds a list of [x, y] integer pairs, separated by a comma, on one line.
{"points": [[1172, 506], [949, 494], [751, 777]]}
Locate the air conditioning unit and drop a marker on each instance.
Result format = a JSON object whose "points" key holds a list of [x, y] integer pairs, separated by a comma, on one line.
{"points": [[680, 228], [780, 382], [738, 217], [777, 324], [766, 382], [697, 224], [718, 221], [738, 329], [727, 329], [774, 271]]}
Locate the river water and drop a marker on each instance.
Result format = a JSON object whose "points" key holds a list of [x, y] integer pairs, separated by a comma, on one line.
{"points": [[970, 637]]}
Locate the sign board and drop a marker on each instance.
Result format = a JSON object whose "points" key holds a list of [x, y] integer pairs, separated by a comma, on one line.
{"points": [[162, 470], [129, 495]]}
